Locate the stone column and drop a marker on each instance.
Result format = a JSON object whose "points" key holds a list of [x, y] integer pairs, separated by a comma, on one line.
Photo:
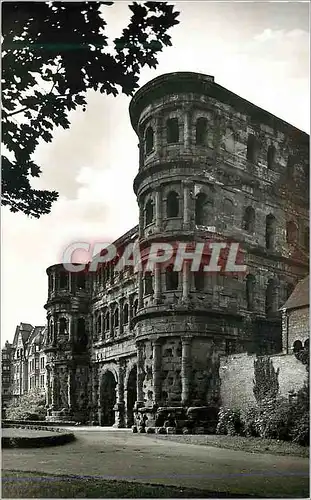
{"points": [[120, 305], [48, 387], [158, 208], [110, 322], [187, 127], [185, 370], [55, 330], [141, 221], [157, 282], [275, 298], [140, 289], [130, 302], [70, 329], [54, 389], [70, 387], [95, 395], [187, 204], [140, 375], [186, 277], [102, 325], [120, 405], [156, 370]]}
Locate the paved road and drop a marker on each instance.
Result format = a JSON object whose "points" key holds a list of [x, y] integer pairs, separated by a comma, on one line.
{"points": [[119, 454]]}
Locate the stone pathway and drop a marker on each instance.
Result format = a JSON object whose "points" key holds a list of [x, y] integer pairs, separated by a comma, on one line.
{"points": [[119, 454]]}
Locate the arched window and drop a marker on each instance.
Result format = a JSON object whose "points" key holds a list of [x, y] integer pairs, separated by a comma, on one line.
{"points": [[81, 281], [228, 209], [306, 345], [81, 333], [297, 346], [199, 281], [148, 283], [270, 231], [63, 281], [291, 232], [135, 307], [172, 130], [125, 314], [62, 326], [271, 156], [50, 331], [149, 140], [200, 201], [249, 220], [270, 298], [148, 212], [250, 288], [116, 317], [171, 278], [107, 321], [252, 149], [172, 204], [98, 325], [201, 131], [306, 238]]}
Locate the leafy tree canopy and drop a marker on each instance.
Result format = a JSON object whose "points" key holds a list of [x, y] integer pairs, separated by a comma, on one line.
{"points": [[52, 54]]}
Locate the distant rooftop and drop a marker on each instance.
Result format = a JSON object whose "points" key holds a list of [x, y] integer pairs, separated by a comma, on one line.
{"points": [[300, 296]]}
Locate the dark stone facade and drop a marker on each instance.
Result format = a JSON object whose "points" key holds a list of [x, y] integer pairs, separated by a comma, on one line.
{"points": [[212, 166]]}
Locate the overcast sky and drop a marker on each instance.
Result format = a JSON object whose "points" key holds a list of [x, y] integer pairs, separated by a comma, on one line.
{"points": [[258, 50]]}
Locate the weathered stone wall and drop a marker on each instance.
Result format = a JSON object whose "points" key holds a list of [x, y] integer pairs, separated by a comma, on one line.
{"points": [[237, 375], [148, 388], [298, 326], [171, 371], [205, 371]]}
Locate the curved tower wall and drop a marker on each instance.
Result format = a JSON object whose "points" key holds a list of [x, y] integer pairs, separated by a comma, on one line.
{"points": [[67, 344]]}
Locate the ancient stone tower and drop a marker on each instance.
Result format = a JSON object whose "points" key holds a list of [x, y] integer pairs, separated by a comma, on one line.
{"points": [[67, 344], [212, 167]]}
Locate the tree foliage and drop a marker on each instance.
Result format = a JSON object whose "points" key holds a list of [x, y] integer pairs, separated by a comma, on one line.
{"points": [[266, 382], [30, 406], [53, 53]]}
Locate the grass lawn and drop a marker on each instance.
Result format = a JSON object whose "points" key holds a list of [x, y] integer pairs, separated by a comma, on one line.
{"points": [[248, 444], [38, 485]]}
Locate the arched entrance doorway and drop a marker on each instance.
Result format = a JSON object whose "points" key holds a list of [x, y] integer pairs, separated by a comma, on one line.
{"points": [[107, 399], [131, 396]]}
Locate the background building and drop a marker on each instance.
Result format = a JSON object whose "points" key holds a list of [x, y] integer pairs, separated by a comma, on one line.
{"points": [[296, 319], [6, 380]]}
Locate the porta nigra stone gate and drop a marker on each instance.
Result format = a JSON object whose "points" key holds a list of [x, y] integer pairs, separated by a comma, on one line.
{"points": [[119, 345]]}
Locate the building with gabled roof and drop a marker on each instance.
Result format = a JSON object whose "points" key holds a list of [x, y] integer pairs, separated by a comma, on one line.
{"points": [[296, 318]]}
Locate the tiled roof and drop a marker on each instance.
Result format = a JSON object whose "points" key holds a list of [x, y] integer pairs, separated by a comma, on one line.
{"points": [[300, 295]]}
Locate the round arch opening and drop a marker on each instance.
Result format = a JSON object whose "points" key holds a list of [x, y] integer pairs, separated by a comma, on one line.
{"points": [[107, 399]]}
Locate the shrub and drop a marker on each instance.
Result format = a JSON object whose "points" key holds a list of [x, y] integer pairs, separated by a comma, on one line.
{"points": [[249, 420], [30, 406], [274, 418], [229, 422], [300, 431]]}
